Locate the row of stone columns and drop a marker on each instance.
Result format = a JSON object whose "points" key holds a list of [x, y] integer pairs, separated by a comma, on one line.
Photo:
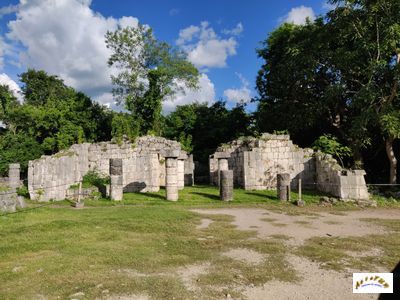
{"points": [[174, 176]]}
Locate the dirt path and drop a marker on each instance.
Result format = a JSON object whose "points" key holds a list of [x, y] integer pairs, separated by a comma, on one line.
{"points": [[302, 227], [316, 283]]}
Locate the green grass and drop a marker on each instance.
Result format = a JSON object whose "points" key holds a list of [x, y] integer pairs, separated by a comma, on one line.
{"points": [[333, 252], [56, 251]]}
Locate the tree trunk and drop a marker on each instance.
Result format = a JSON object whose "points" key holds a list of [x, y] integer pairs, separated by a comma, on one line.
{"points": [[358, 159], [392, 160]]}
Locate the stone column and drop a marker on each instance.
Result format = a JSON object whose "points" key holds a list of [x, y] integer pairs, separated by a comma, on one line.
{"points": [[222, 163], [14, 179], [283, 186], [117, 186], [226, 185], [171, 175], [181, 170]]}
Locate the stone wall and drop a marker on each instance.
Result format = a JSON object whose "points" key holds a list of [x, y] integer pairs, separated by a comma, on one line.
{"points": [[9, 199], [143, 166], [341, 183], [255, 162]]}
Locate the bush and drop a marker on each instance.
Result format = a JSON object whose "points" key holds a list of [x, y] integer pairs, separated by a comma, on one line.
{"points": [[23, 191], [94, 178]]}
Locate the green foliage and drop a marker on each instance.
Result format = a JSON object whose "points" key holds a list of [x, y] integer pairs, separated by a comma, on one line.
{"points": [[17, 148], [23, 191], [149, 72], [201, 129], [124, 126], [94, 178], [338, 74], [52, 117], [330, 145]]}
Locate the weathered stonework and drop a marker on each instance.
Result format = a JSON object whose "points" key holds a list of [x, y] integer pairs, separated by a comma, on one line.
{"points": [[9, 199], [226, 185], [341, 183], [143, 166], [171, 177], [257, 161]]}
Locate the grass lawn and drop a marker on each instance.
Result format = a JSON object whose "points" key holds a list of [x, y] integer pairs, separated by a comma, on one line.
{"points": [[138, 246]]}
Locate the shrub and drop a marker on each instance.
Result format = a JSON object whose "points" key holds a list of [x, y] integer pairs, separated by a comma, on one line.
{"points": [[94, 178], [23, 191]]}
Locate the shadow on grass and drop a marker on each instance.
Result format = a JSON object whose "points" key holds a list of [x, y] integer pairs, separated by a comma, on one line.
{"points": [[147, 196], [209, 196], [264, 196]]}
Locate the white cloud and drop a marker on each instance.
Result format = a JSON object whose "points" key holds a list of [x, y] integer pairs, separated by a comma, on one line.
{"points": [[9, 9], [2, 52], [66, 38], [205, 93], [328, 6], [13, 86], [204, 47], [234, 31], [299, 15], [240, 95]]}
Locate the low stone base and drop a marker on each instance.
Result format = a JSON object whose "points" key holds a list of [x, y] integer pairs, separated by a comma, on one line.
{"points": [[78, 205]]}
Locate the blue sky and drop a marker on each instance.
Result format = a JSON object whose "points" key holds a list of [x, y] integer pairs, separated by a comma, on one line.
{"points": [[66, 38]]}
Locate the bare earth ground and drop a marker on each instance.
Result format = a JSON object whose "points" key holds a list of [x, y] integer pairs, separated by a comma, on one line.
{"points": [[316, 283]]}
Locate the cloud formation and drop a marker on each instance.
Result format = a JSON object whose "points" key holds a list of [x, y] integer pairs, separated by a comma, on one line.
{"points": [[12, 85], [66, 38], [205, 48], [298, 15], [205, 93], [9, 9], [234, 31], [241, 95]]}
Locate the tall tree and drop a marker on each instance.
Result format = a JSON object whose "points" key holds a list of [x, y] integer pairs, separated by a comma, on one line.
{"points": [[149, 71], [336, 75]]}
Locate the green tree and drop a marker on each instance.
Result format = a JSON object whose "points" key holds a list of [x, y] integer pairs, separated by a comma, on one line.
{"points": [[123, 125], [17, 148], [201, 129], [336, 75], [149, 71]]}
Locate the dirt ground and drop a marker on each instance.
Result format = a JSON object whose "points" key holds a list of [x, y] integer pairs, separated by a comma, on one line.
{"points": [[316, 283]]}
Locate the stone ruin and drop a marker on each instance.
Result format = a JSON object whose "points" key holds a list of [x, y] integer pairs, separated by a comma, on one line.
{"points": [[143, 166], [257, 161], [9, 199]]}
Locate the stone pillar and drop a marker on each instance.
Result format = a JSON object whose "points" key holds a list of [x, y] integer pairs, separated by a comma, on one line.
{"points": [[117, 186], [226, 185], [14, 179], [171, 175], [283, 186], [222, 163], [181, 170]]}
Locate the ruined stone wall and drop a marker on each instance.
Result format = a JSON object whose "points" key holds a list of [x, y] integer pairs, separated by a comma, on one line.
{"points": [[256, 162], [341, 183], [143, 166]]}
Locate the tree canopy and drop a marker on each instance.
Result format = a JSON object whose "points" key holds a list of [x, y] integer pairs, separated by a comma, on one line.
{"points": [[148, 71], [337, 75]]}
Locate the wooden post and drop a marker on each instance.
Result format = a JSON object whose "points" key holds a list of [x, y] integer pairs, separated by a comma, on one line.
{"points": [[300, 202], [299, 197], [79, 192]]}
